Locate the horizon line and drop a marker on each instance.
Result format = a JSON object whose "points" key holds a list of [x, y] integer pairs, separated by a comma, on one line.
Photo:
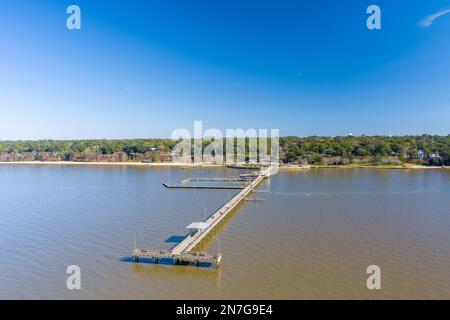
{"points": [[281, 137]]}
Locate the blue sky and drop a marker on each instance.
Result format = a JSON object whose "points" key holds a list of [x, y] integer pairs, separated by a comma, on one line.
{"points": [[141, 69]]}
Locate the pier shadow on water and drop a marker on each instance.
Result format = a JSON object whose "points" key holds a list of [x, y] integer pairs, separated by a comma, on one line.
{"points": [[175, 239], [166, 262]]}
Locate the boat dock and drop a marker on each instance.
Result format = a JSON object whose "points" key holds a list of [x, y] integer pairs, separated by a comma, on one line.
{"points": [[181, 253], [213, 179], [231, 183], [174, 186]]}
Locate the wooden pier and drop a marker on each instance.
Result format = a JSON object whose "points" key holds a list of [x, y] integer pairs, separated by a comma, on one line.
{"points": [[234, 183], [181, 258], [174, 186], [181, 253], [237, 180]]}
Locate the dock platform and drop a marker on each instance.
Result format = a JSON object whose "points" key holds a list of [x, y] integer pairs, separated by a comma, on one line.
{"points": [[174, 186], [180, 258]]}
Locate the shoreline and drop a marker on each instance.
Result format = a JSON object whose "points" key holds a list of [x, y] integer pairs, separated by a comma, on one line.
{"points": [[129, 164], [205, 165]]}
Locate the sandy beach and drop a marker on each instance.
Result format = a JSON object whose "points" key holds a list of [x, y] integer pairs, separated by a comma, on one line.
{"points": [[132, 164], [206, 165]]}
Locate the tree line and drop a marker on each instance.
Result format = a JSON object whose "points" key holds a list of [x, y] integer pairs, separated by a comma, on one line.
{"points": [[315, 150], [423, 149]]}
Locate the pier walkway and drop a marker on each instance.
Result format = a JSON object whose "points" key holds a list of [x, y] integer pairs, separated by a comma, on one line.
{"points": [[181, 253]]}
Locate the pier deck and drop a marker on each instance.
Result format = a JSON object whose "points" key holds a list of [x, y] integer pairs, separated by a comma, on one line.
{"points": [[239, 180], [182, 251], [172, 186], [179, 258], [191, 241]]}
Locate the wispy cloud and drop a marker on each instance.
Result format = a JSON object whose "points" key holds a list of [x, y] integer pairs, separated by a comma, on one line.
{"points": [[428, 21]]}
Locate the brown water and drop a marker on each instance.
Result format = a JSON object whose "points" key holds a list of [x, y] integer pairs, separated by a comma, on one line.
{"points": [[313, 237]]}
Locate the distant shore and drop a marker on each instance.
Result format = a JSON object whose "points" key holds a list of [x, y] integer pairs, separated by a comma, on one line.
{"points": [[205, 165], [130, 163], [400, 167]]}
